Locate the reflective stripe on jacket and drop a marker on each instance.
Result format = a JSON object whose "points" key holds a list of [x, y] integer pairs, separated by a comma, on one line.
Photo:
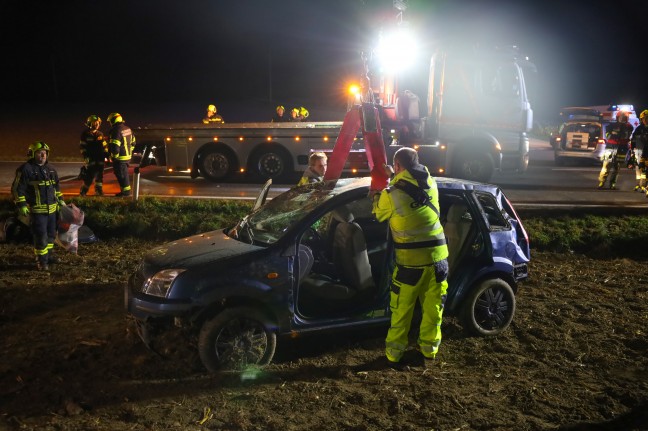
{"points": [[310, 176], [416, 229], [121, 142], [38, 187]]}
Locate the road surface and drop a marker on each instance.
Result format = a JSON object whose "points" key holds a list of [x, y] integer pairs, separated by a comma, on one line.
{"points": [[543, 183]]}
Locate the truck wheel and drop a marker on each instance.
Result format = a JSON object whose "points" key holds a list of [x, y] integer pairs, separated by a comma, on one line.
{"points": [[236, 339], [488, 310], [474, 167], [215, 164], [272, 163]]}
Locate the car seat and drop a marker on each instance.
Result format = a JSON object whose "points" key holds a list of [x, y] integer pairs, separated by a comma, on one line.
{"points": [[351, 258], [350, 261], [456, 229]]}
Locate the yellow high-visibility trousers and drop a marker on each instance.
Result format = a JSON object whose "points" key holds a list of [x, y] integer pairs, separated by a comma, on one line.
{"points": [[427, 284]]}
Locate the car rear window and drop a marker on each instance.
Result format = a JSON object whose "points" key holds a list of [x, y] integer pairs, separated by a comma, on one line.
{"points": [[495, 218], [593, 130]]}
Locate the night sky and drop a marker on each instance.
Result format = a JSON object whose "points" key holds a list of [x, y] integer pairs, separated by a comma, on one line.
{"points": [[586, 53]]}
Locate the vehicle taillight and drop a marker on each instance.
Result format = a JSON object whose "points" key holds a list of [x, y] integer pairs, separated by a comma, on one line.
{"points": [[522, 230]]}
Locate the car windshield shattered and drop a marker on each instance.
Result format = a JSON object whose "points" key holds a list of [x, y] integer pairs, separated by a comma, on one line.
{"points": [[269, 223]]}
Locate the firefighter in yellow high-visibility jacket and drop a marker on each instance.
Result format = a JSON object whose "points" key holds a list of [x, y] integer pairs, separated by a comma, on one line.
{"points": [[411, 204]]}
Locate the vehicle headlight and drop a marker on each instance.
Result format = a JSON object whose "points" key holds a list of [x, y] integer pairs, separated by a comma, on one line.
{"points": [[160, 283]]}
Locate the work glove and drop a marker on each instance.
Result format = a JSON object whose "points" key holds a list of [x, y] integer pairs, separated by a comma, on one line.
{"points": [[61, 202], [23, 210]]}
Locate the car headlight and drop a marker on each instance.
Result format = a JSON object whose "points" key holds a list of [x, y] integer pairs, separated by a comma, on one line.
{"points": [[160, 283]]}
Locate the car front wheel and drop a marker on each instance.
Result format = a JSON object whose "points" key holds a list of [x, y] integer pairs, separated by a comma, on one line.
{"points": [[236, 339], [489, 309]]}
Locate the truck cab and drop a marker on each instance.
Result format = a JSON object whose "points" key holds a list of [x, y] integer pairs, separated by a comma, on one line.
{"points": [[476, 118]]}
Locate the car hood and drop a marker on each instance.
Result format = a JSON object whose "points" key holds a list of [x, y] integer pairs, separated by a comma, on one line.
{"points": [[198, 249]]}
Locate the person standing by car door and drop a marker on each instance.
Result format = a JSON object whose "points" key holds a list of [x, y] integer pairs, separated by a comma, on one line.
{"points": [[120, 144], [616, 151], [639, 143], [411, 204]]}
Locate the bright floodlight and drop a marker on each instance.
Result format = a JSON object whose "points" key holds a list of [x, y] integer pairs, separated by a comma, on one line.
{"points": [[396, 50]]}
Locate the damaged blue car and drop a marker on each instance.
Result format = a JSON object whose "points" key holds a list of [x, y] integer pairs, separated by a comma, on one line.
{"points": [[314, 258]]}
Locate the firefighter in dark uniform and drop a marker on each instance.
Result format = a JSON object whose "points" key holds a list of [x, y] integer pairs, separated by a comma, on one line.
{"points": [[639, 143], [294, 115], [279, 116], [617, 150], [36, 190], [212, 117], [94, 150], [411, 204], [121, 142]]}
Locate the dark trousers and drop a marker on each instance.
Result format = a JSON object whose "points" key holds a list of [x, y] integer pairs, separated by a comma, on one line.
{"points": [[94, 172], [121, 172], [43, 227]]}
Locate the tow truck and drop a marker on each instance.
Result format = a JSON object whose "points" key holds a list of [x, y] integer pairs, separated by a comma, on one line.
{"points": [[475, 123]]}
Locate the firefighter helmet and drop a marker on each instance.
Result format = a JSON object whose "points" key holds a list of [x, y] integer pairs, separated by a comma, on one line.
{"points": [[114, 118], [643, 114], [211, 108], [37, 146], [280, 107], [91, 119], [303, 112]]}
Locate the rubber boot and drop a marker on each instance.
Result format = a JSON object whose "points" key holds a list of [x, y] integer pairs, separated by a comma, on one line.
{"points": [[52, 258], [41, 263], [84, 190], [601, 184], [99, 189]]}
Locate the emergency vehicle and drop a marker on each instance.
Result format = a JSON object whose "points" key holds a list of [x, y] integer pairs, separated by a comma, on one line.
{"points": [[610, 112], [582, 135]]}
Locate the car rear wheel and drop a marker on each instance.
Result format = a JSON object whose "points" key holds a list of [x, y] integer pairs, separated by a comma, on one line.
{"points": [[489, 309], [236, 339]]}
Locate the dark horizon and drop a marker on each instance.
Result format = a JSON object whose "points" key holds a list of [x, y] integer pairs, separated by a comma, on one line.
{"points": [[202, 51]]}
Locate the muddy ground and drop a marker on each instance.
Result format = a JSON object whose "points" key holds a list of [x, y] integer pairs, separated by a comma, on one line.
{"points": [[575, 358]]}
